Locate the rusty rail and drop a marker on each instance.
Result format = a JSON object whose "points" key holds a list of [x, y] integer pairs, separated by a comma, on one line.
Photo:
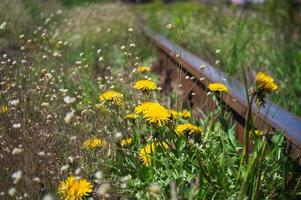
{"points": [[270, 118]]}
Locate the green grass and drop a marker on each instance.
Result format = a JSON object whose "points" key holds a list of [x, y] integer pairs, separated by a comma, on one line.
{"points": [[247, 43]]}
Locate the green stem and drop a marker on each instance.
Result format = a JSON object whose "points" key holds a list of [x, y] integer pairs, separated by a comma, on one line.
{"points": [[246, 138], [258, 180], [247, 131]]}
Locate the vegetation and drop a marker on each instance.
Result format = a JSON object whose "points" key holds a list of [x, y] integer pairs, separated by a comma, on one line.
{"points": [[82, 116], [236, 40]]}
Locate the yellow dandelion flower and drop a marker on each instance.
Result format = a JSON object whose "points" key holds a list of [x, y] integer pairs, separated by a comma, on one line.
{"points": [[143, 69], [187, 128], [126, 142], [94, 143], [145, 153], [131, 116], [145, 85], [142, 107], [265, 82], [217, 87], [155, 113], [74, 188], [3, 109], [112, 96], [259, 132], [174, 114], [9, 86], [185, 114]]}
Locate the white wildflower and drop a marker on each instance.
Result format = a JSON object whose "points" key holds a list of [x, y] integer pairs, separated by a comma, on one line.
{"points": [[3, 25], [79, 62], [77, 171], [14, 102], [48, 197], [12, 191], [17, 125], [64, 168], [202, 66], [17, 151], [68, 117], [103, 189], [69, 100], [126, 178], [98, 175], [170, 26], [154, 188], [118, 135], [17, 176], [70, 159], [36, 179]]}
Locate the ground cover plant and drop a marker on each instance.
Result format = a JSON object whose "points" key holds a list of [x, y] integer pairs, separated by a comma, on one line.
{"points": [[83, 117], [264, 37]]}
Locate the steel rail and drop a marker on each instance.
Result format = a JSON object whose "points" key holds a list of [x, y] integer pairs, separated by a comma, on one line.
{"points": [[271, 117]]}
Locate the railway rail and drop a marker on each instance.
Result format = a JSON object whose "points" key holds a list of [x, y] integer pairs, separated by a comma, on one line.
{"points": [[194, 75]]}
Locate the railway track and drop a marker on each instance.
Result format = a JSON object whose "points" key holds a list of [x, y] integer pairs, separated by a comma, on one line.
{"points": [[195, 76]]}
